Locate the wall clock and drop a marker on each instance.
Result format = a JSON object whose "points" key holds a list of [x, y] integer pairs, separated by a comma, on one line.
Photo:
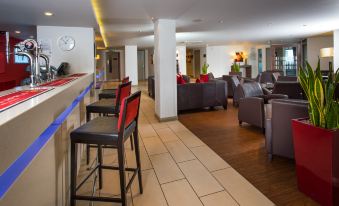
{"points": [[66, 43]]}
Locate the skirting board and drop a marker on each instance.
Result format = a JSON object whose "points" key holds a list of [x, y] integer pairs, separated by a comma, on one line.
{"points": [[166, 119]]}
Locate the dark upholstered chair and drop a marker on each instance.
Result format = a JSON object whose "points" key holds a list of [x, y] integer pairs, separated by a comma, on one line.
{"points": [[111, 93], [279, 139], [232, 83], [199, 95], [266, 77], [151, 91], [292, 89], [287, 79], [252, 103]]}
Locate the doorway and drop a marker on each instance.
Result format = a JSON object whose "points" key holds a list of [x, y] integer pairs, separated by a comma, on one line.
{"points": [[141, 65], [113, 66], [197, 65]]}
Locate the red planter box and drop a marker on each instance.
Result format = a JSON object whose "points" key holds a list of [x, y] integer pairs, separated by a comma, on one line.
{"points": [[203, 77], [317, 161]]}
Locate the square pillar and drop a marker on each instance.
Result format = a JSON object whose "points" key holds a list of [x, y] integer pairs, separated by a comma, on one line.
{"points": [[165, 69], [336, 50], [131, 63], [181, 52]]}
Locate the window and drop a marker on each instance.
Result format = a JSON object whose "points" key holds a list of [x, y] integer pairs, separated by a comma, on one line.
{"points": [[20, 59]]}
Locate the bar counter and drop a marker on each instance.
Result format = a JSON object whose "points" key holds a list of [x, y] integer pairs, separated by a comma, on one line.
{"points": [[34, 144]]}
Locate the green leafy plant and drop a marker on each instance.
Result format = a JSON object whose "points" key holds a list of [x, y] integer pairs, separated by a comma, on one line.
{"points": [[235, 67], [323, 107], [204, 68]]}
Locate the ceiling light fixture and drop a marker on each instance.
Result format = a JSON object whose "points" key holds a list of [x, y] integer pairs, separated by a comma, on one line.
{"points": [[197, 20], [99, 16], [32, 37], [48, 13], [304, 25], [221, 21], [18, 32]]}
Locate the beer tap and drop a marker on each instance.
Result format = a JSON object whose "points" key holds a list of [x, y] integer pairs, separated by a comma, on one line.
{"points": [[50, 74]]}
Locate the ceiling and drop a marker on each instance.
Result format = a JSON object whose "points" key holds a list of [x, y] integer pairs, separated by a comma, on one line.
{"points": [[199, 22], [24, 15]]}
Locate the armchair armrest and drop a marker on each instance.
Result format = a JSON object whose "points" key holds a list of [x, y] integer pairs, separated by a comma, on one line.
{"points": [[251, 110], [266, 91]]}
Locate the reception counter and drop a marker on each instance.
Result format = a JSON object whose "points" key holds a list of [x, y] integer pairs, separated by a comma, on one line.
{"points": [[34, 144]]}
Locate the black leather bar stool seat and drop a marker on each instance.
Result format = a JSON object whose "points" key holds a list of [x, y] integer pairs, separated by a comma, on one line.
{"points": [[112, 131], [103, 106], [108, 94]]}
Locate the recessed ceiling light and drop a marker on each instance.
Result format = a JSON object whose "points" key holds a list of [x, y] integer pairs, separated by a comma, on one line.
{"points": [[304, 25], [31, 37], [269, 24], [48, 13], [197, 20], [140, 31], [18, 32], [221, 21]]}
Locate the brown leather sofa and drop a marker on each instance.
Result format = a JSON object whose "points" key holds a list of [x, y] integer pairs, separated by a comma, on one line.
{"points": [[252, 102], [199, 95], [279, 139]]}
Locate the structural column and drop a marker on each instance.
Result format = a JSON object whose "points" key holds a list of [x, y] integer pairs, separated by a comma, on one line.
{"points": [[181, 57], [131, 63], [336, 49], [165, 69]]}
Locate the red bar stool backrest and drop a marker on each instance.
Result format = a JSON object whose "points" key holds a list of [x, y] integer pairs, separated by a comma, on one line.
{"points": [[129, 111], [125, 80], [123, 91]]}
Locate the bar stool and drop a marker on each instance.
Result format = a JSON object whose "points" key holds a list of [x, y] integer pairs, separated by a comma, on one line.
{"points": [[111, 93], [107, 106], [113, 131]]}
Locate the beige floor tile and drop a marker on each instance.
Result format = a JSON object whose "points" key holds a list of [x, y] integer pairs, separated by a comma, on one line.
{"points": [[145, 161], [166, 135], [179, 151], [152, 195], [165, 168], [176, 126], [219, 199], [189, 139], [160, 125], [154, 146], [209, 158], [240, 189], [199, 177], [180, 193], [147, 131]]}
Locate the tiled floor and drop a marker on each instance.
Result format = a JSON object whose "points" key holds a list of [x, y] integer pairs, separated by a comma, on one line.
{"points": [[177, 168]]}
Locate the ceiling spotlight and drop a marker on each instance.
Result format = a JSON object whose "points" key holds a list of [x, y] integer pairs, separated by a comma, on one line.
{"points": [[48, 13], [140, 31], [304, 25], [221, 21], [269, 24], [32, 37], [18, 32]]}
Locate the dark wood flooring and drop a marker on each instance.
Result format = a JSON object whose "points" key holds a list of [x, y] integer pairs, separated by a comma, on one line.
{"points": [[244, 149]]}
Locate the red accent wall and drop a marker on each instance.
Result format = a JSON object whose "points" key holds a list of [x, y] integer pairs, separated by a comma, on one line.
{"points": [[10, 71]]}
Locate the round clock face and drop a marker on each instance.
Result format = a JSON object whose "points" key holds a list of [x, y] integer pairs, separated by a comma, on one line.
{"points": [[66, 43]]}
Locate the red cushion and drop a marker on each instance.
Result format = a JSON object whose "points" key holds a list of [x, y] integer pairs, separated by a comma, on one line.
{"points": [[180, 79], [125, 80], [131, 112], [197, 81], [125, 91]]}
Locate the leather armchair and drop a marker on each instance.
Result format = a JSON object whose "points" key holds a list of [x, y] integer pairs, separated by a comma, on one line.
{"points": [[252, 104], [232, 83], [279, 139], [292, 89]]}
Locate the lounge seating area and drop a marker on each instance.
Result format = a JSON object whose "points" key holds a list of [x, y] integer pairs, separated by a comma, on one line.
{"points": [[169, 103]]}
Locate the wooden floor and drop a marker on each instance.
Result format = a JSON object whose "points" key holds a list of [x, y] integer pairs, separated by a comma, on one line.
{"points": [[244, 149]]}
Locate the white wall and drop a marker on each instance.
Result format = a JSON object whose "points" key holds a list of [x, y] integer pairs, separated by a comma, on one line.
{"points": [[220, 58], [181, 52], [336, 50], [81, 57], [314, 44], [131, 63]]}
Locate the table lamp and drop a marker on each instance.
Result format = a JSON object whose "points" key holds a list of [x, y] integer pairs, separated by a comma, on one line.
{"points": [[327, 52]]}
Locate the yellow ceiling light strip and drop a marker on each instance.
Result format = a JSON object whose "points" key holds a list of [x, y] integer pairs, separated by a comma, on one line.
{"points": [[98, 17]]}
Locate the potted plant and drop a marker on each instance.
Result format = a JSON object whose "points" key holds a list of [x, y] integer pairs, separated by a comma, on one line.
{"points": [[235, 69], [204, 75], [316, 139]]}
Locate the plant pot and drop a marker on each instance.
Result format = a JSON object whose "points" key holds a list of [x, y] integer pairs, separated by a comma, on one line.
{"points": [[204, 78], [317, 161]]}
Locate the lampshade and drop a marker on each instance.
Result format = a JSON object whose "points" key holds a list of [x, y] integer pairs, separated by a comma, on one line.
{"points": [[326, 52]]}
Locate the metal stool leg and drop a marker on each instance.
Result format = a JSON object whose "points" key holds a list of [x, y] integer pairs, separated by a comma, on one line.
{"points": [[121, 161], [137, 156], [73, 172], [100, 165], [88, 118]]}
